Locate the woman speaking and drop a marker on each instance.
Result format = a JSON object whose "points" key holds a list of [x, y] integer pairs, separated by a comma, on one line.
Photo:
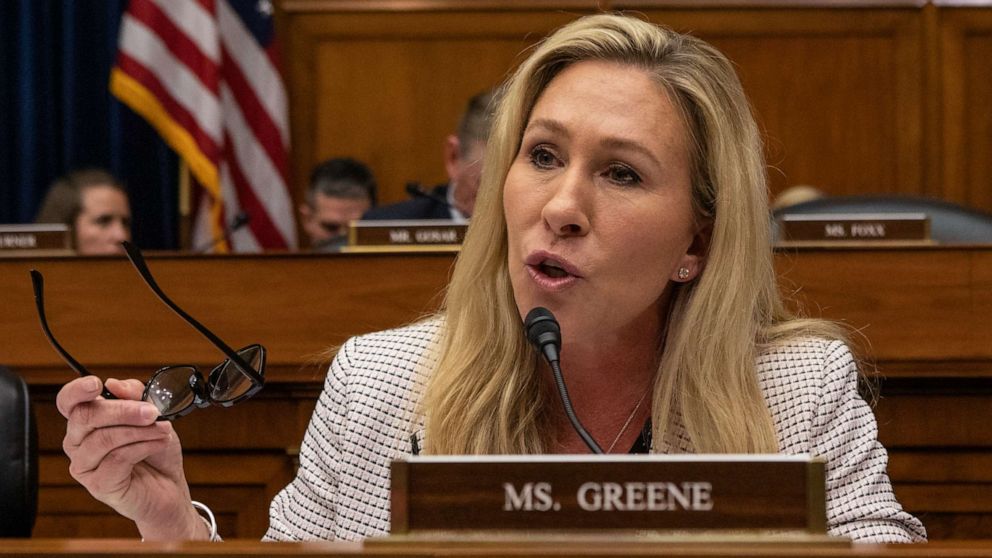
{"points": [[623, 190]]}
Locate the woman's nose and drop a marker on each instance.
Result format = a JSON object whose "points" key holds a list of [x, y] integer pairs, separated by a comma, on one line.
{"points": [[566, 213], [119, 231]]}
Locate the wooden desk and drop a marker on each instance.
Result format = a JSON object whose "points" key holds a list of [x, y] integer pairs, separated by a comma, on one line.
{"points": [[297, 305], [93, 548], [926, 312]]}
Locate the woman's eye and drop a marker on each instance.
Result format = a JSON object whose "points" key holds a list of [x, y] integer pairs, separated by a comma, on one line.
{"points": [[623, 175], [543, 158]]}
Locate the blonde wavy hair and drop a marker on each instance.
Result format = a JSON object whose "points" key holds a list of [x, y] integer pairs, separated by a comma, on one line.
{"points": [[484, 394]]}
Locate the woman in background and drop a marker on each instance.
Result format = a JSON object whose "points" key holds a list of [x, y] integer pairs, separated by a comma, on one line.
{"points": [[624, 189], [95, 206]]}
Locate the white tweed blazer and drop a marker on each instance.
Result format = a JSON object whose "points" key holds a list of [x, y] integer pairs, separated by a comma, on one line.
{"points": [[363, 421]]}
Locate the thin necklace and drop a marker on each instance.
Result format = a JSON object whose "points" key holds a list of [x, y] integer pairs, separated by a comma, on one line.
{"points": [[627, 423]]}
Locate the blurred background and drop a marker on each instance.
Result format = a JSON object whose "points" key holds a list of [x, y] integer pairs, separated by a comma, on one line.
{"points": [[859, 97]]}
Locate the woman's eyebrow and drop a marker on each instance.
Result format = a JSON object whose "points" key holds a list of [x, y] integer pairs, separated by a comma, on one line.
{"points": [[547, 124], [623, 143]]}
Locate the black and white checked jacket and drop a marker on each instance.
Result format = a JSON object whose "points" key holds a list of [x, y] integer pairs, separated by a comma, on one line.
{"points": [[363, 421]]}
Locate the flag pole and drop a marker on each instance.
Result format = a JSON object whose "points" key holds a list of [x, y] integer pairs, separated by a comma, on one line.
{"points": [[185, 218]]}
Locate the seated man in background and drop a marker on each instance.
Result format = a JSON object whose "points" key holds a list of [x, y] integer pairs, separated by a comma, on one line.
{"points": [[94, 205], [340, 191], [462, 161]]}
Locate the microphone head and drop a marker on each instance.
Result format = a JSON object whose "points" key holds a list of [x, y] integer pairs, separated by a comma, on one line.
{"points": [[240, 220], [543, 330]]}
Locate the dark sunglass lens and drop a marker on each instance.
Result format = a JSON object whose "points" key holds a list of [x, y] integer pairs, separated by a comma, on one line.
{"points": [[228, 382], [170, 391]]}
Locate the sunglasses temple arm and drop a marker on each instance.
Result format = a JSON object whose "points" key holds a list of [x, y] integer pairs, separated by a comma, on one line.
{"points": [[38, 282], [138, 261]]}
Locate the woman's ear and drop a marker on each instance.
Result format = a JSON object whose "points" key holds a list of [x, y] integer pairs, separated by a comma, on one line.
{"points": [[694, 259], [452, 156]]}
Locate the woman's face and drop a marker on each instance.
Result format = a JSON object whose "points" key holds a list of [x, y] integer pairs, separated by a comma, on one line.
{"points": [[598, 203], [103, 222]]}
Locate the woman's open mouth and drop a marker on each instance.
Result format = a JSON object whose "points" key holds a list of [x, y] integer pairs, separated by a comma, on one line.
{"points": [[552, 269], [550, 272]]}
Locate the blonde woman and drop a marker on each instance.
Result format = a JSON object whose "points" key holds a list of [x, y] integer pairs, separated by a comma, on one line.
{"points": [[624, 190]]}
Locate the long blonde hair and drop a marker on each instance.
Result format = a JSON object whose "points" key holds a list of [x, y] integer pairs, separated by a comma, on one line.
{"points": [[484, 395]]}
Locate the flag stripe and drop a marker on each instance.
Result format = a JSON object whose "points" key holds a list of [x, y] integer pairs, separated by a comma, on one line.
{"points": [[260, 224], [145, 47], [249, 155], [255, 65], [262, 127], [203, 142], [196, 21], [243, 240], [179, 44]]}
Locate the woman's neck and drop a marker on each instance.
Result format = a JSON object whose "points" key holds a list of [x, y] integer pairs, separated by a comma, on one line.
{"points": [[607, 379]]}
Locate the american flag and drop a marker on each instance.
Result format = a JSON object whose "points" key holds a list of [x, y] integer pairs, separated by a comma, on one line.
{"points": [[204, 74]]}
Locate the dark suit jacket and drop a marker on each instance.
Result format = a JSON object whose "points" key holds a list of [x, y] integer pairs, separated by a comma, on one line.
{"points": [[415, 208]]}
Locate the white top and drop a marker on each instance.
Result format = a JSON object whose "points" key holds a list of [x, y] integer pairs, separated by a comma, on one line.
{"points": [[456, 215], [364, 420]]}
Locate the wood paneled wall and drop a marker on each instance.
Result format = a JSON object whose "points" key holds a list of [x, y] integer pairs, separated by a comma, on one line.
{"points": [[388, 86], [852, 96], [964, 77]]}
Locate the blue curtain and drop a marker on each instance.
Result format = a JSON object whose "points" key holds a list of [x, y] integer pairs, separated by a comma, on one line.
{"points": [[57, 114]]}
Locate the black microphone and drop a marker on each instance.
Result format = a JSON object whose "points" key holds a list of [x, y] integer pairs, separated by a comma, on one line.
{"points": [[544, 334], [417, 191], [239, 221]]}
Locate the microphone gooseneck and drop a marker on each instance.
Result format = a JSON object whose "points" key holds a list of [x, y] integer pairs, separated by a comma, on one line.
{"points": [[544, 334], [239, 221]]}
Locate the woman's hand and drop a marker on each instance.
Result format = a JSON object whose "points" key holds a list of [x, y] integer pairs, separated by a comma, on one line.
{"points": [[128, 460]]}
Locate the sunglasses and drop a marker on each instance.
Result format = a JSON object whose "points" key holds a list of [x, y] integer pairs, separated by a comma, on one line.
{"points": [[178, 390]]}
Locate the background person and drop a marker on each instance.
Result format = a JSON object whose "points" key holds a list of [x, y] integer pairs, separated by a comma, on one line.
{"points": [[463, 153], [340, 191], [624, 190], [94, 205], [795, 195]]}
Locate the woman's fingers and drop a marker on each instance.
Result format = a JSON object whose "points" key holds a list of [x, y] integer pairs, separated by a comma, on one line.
{"points": [[85, 418], [104, 443], [125, 389], [116, 470], [88, 388], [80, 390]]}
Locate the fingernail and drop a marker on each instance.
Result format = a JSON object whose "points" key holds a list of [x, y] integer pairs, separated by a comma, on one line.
{"points": [[92, 383], [149, 412]]}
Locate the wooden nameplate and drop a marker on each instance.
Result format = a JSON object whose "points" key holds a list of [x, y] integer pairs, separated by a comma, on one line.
{"points": [[632, 499], [855, 228], [43, 239], [405, 236]]}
